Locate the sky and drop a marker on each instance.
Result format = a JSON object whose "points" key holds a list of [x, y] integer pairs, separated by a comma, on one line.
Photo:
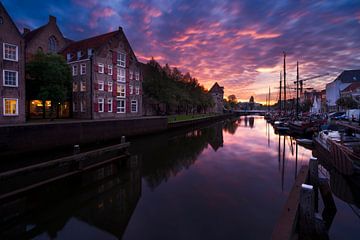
{"points": [[238, 44]]}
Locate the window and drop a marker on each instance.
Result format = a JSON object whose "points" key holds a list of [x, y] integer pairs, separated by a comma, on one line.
{"points": [[82, 86], [120, 90], [10, 78], [74, 106], [131, 89], [68, 57], [134, 106], [10, 107], [83, 69], [121, 76], [74, 70], [10, 52], [137, 76], [110, 104], [52, 44], [83, 105], [79, 55], [120, 106], [101, 85], [90, 52], [121, 59], [110, 86], [131, 75], [101, 68], [75, 86], [110, 71], [101, 104], [137, 90]]}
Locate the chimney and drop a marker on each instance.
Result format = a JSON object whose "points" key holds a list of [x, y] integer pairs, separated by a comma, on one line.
{"points": [[52, 19], [26, 30], [120, 28]]}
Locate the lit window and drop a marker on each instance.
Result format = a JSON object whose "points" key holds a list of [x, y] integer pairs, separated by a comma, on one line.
{"points": [[121, 75], [120, 106], [10, 107], [52, 44], [101, 68], [74, 70], [10, 78], [137, 76], [101, 85], [110, 86], [82, 86], [121, 59], [10, 52], [134, 106], [110, 70], [75, 87], [110, 104], [137, 90], [101, 104], [83, 69], [120, 90], [131, 89]]}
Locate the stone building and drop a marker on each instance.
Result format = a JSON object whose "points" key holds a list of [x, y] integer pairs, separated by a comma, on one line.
{"points": [[12, 83], [217, 93], [107, 81], [48, 39]]}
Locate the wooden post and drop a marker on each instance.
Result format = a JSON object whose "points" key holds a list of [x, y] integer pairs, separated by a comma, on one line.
{"points": [[122, 139], [314, 179], [306, 212], [330, 210]]}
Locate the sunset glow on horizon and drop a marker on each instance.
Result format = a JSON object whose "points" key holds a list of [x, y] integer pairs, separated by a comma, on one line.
{"points": [[238, 44]]}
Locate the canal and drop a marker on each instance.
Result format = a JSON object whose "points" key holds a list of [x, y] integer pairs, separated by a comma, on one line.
{"points": [[227, 180]]}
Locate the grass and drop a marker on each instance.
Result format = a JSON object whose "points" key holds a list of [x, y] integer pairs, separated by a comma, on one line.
{"points": [[183, 117]]}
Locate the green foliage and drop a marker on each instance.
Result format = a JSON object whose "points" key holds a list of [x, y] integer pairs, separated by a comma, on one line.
{"points": [[346, 102], [48, 78], [232, 101], [179, 93]]}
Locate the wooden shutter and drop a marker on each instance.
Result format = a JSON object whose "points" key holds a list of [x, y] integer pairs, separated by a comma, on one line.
{"points": [[114, 76]]}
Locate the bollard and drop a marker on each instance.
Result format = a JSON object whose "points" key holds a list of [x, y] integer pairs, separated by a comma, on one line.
{"points": [[314, 179], [306, 212], [76, 149], [122, 139]]}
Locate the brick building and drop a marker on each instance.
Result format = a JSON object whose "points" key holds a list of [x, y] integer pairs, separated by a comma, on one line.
{"points": [[12, 83], [107, 80], [217, 93], [48, 39]]}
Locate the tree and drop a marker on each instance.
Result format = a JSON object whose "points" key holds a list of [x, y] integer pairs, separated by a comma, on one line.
{"points": [[232, 100], [346, 102], [251, 103], [49, 78]]}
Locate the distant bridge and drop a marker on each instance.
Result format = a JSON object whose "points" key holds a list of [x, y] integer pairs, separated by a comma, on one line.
{"points": [[249, 112]]}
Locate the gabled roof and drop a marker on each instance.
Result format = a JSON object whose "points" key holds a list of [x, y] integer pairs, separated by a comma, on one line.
{"points": [[349, 76], [352, 87], [11, 20], [216, 88]]}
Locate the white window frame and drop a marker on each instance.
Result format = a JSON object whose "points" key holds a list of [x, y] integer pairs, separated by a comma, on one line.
{"points": [[110, 104], [120, 109], [101, 85], [82, 106], [17, 52], [131, 74], [82, 86], [137, 90], [121, 75], [136, 104], [121, 62], [110, 86], [110, 70], [101, 103], [83, 69], [79, 55], [137, 75], [75, 87], [119, 93], [17, 107], [101, 68], [90, 52], [74, 70], [131, 87], [16, 78]]}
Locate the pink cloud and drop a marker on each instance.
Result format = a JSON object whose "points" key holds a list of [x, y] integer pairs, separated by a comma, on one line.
{"points": [[96, 15]]}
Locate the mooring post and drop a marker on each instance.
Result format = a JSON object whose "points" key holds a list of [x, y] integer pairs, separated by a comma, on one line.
{"points": [[329, 211], [122, 139], [306, 212], [314, 179], [76, 149]]}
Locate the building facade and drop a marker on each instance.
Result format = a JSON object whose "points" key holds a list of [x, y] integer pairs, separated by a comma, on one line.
{"points": [[333, 89], [12, 71], [47, 39], [107, 79], [217, 94]]}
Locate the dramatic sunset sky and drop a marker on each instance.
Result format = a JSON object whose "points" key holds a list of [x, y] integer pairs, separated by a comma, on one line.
{"points": [[239, 44]]}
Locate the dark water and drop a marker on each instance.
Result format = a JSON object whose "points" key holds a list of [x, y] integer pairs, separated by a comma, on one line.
{"points": [[228, 180]]}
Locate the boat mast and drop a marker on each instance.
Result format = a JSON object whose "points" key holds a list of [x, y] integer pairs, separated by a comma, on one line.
{"points": [[285, 82], [297, 90], [269, 101], [280, 103]]}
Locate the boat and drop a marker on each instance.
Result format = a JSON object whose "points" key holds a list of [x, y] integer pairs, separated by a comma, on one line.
{"points": [[307, 143], [342, 151]]}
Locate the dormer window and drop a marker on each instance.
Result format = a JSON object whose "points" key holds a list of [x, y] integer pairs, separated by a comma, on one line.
{"points": [[68, 57], [52, 44], [90, 52], [79, 55]]}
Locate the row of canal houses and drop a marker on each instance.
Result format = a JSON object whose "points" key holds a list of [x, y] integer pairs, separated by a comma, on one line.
{"points": [[107, 78]]}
